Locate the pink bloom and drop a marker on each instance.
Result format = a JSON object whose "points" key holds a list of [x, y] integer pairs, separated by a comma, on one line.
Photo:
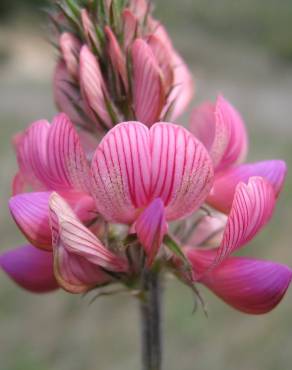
{"points": [[222, 131], [250, 285], [50, 158], [148, 177]]}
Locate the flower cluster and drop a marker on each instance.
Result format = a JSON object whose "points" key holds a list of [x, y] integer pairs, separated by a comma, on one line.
{"points": [[112, 54], [149, 194]]}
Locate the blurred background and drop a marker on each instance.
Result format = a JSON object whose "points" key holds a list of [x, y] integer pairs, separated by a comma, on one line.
{"points": [[242, 49]]}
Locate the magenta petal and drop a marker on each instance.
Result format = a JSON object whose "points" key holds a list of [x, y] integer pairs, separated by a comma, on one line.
{"points": [[182, 171], [30, 268], [148, 89], [121, 172], [222, 193], [151, 227], [252, 208], [30, 212]]}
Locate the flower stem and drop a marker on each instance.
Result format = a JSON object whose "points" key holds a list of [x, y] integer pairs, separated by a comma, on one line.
{"points": [[151, 320]]}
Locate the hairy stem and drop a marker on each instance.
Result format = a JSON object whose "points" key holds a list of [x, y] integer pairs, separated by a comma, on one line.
{"points": [[151, 321]]}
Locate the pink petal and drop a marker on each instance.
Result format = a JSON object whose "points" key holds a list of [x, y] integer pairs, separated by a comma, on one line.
{"points": [[249, 285], [88, 29], [163, 58], [74, 273], [67, 98], [183, 90], [182, 172], [148, 89], [252, 208], [70, 47], [93, 88], [121, 172], [30, 212], [67, 165], [139, 8], [203, 124], [31, 268], [151, 227], [31, 154], [222, 193], [19, 184], [222, 131], [69, 232], [116, 56], [130, 27]]}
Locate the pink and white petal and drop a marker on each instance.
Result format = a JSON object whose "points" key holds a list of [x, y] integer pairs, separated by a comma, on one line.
{"points": [[252, 208], [130, 27], [89, 29], [139, 8], [30, 267], [203, 125], [231, 126], [151, 227], [148, 89], [222, 193], [121, 172], [31, 154], [69, 232], [30, 212], [183, 90], [182, 171], [70, 48], [67, 97], [93, 88], [67, 166], [116, 56], [74, 273]]}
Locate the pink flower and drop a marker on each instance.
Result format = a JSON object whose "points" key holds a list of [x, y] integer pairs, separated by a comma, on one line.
{"points": [[222, 131], [50, 158], [249, 285]]}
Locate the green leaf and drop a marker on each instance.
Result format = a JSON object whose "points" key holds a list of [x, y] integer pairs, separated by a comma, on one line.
{"points": [[175, 248], [74, 8]]}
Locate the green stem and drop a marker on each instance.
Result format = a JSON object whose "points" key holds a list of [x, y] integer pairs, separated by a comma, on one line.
{"points": [[151, 321]]}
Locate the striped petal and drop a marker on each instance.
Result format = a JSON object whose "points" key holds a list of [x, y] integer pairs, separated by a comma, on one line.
{"points": [[121, 172], [74, 237], [74, 273], [249, 285], [32, 155], [30, 268], [70, 47], [67, 165], [252, 208], [151, 227], [222, 130], [222, 193], [148, 89], [93, 88], [182, 172]]}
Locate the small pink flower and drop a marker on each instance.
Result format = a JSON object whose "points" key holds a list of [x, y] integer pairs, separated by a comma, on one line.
{"points": [[222, 131]]}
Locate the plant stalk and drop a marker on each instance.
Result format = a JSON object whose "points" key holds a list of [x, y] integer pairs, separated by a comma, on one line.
{"points": [[150, 307]]}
